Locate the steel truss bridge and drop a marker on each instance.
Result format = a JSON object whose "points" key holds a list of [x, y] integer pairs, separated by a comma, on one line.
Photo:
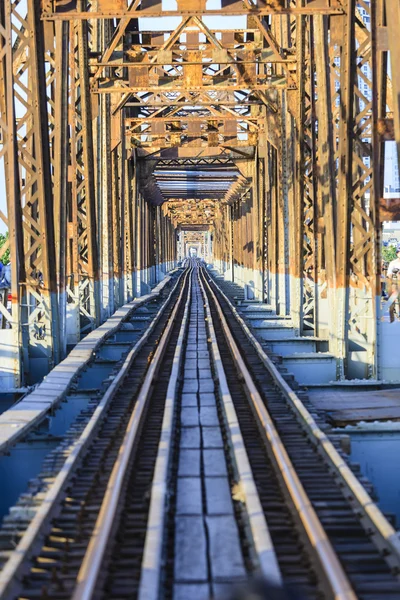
{"points": [[125, 140]]}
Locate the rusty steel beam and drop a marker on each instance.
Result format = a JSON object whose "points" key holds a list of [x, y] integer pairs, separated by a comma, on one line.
{"points": [[274, 9], [19, 362], [60, 170], [34, 318], [326, 189], [261, 61], [357, 265], [226, 85], [306, 177]]}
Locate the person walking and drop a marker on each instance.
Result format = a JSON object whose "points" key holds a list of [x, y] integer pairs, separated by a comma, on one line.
{"points": [[393, 275]]}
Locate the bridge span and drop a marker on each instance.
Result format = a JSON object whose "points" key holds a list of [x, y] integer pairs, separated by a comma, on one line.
{"points": [[192, 200]]}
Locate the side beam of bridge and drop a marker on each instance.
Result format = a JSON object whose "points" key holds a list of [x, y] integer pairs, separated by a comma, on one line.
{"points": [[317, 180], [86, 229], [83, 239]]}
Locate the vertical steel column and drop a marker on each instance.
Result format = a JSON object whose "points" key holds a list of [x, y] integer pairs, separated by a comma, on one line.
{"points": [[357, 216], [140, 242], [272, 207], [248, 245], [89, 254], [326, 193], [18, 362], [347, 78], [60, 157], [378, 84], [128, 240], [157, 249], [146, 237], [148, 242], [305, 174], [104, 186], [297, 218], [25, 113], [237, 240], [260, 226], [282, 36], [242, 237], [138, 230], [116, 224], [266, 227], [153, 252], [342, 62], [171, 243], [229, 216], [162, 243], [122, 212], [84, 279], [256, 235], [167, 247], [133, 229]]}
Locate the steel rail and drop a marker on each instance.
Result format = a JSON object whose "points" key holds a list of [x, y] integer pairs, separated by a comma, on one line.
{"points": [[14, 567], [334, 578], [383, 535], [94, 556], [263, 545], [149, 585]]}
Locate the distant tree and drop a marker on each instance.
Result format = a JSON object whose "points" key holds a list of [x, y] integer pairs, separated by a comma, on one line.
{"points": [[4, 256], [389, 253]]}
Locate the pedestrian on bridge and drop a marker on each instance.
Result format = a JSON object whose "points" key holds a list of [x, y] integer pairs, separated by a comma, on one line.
{"points": [[393, 274]]}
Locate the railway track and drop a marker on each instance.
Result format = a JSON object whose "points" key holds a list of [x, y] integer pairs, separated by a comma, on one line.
{"points": [[200, 470], [49, 494]]}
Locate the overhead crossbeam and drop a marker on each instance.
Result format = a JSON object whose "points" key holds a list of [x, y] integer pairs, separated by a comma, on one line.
{"points": [[270, 8]]}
